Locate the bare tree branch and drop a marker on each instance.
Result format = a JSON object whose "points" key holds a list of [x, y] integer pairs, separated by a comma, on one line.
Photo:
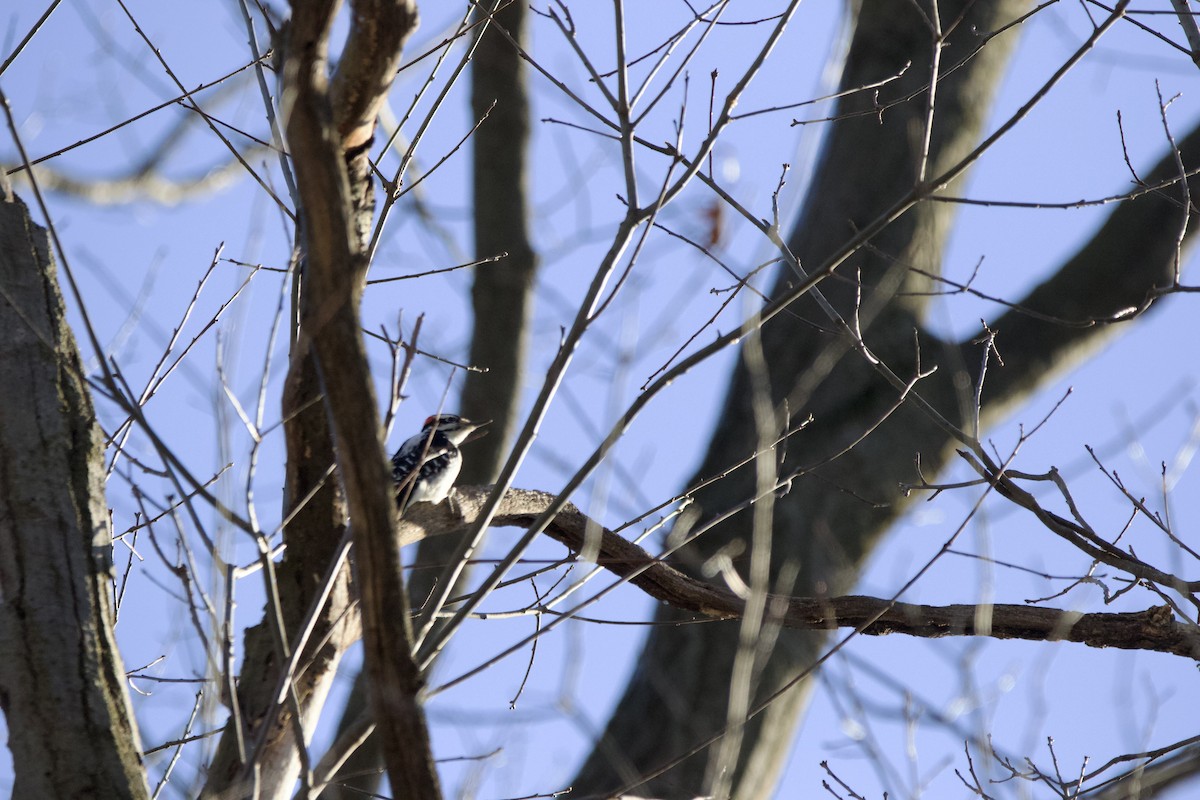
{"points": [[502, 299], [334, 277], [1152, 629]]}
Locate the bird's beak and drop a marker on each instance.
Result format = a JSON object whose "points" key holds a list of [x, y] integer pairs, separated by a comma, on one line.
{"points": [[479, 432]]}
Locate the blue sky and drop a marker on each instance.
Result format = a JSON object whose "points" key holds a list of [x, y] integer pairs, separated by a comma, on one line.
{"points": [[1135, 399]]}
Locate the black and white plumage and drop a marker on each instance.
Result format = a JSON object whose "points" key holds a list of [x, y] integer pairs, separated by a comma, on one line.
{"points": [[426, 465]]}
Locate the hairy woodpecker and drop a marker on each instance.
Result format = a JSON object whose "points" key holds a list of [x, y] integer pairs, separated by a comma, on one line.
{"points": [[426, 465]]}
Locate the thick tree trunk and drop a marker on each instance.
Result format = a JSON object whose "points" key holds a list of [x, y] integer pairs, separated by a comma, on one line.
{"points": [[679, 695], [837, 510], [71, 728]]}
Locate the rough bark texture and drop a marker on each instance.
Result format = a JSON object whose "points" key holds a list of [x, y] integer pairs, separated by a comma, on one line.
{"points": [[832, 519], [71, 728]]}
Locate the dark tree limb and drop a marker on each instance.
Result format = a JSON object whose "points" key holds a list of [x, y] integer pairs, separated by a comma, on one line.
{"points": [[334, 277], [1121, 272], [71, 727], [328, 398], [1153, 629], [502, 299], [502, 293], [378, 30]]}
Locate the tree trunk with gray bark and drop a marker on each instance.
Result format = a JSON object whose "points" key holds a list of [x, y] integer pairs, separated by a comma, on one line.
{"points": [[71, 728]]}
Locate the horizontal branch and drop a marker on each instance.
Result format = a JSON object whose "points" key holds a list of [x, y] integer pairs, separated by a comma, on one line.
{"points": [[1153, 629]]}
